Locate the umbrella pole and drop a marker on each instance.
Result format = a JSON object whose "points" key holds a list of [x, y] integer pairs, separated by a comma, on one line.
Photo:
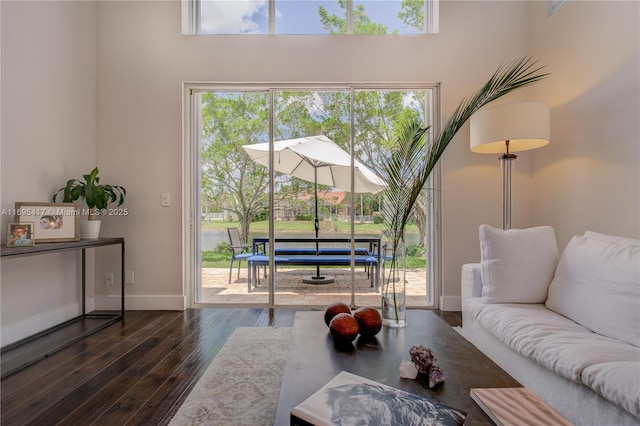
{"points": [[317, 279], [316, 222]]}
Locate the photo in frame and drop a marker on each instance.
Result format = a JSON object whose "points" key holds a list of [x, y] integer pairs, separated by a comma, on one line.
{"points": [[53, 222], [20, 234]]}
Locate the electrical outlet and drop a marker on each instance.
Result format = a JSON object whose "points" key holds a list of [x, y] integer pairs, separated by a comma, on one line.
{"points": [[166, 199], [129, 277], [108, 279]]}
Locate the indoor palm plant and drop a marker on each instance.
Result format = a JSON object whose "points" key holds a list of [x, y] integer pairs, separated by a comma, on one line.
{"points": [[409, 163], [97, 197]]}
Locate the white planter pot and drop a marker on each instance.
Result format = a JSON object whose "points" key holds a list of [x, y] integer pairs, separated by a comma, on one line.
{"points": [[89, 229]]}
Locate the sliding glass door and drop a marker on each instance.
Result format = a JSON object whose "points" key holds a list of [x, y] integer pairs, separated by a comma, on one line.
{"points": [[318, 227]]}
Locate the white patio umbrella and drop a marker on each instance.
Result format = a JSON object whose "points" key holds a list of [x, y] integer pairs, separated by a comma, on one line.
{"points": [[319, 160]]}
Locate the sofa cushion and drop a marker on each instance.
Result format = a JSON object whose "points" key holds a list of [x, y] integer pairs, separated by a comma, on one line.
{"points": [[550, 339], [612, 239], [597, 285], [517, 265], [618, 382]]}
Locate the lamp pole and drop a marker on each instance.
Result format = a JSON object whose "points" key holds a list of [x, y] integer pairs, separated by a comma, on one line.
{"points": [[506, 160]]}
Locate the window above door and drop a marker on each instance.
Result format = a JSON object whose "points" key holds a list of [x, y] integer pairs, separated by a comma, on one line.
{"points": [[309, 17]]}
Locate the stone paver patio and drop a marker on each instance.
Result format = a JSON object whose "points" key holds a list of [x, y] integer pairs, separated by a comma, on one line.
{"points": [[291, 291]]}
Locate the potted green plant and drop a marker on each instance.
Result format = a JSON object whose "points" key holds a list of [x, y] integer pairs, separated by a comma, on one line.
{"points": [[97, 196], [410, 162]]}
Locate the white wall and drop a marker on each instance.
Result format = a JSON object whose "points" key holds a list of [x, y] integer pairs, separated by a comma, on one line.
{"points": [[589, 176], [102, 83], [48, 136], [143, 59]]}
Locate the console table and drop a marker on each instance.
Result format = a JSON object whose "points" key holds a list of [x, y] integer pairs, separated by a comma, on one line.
{"points": [[108, 317]]}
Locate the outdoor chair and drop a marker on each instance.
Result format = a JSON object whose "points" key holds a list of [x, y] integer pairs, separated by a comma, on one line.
{"points": [[239, 250], [385, 256]]}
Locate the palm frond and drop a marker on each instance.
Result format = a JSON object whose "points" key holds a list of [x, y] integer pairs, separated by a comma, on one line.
{"points": [[408, 165]]}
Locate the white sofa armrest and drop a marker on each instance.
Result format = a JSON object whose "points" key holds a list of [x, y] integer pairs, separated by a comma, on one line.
{"points": [[471, 281]]}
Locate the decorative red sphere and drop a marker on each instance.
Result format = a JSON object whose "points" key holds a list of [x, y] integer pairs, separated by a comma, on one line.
{"points": [[335, 309], [344, 328], [369, 320]]}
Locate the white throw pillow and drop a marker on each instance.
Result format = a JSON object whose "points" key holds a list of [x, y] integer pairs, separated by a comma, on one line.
{"points": [[517, 265], [597, 285]]}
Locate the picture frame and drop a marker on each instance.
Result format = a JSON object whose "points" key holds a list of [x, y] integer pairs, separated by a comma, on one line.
{"points": [[53, 222], [20, 234]]}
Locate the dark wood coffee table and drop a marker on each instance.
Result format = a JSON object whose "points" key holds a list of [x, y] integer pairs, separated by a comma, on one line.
{"points": [[314, 359]]}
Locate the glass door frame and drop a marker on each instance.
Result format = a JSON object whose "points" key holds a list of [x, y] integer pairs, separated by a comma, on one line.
{"points": [[191, 265]]}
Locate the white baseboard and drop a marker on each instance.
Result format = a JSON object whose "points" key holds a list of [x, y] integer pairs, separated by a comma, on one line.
{"points": [[141, 303], [32, 325], [450, 303], [90, 304]]}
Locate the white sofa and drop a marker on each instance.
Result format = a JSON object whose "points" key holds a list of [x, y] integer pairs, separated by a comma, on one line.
{"points": [[567, 327]]}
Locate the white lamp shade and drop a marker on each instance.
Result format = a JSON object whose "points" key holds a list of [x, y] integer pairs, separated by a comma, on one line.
{"points": [[524, 124]]}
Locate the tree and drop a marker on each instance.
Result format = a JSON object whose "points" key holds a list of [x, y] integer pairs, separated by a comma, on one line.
{"points": [[334, 24], [412, 13], [230, 179], [233, 182]]}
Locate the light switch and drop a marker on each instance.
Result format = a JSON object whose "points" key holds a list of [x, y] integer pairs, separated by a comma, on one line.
{"points": [[166, 199]]}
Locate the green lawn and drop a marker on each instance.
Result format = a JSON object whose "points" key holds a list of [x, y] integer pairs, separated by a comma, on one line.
{"points": [[301, 226]]}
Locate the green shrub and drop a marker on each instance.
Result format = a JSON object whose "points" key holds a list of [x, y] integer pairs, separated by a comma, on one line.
{"points": [[378, 218], [261, 215], [221, 248], [301, 216], [415, 250]]}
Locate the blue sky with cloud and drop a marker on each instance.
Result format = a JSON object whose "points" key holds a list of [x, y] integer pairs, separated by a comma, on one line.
{"points": [[292, 16]]}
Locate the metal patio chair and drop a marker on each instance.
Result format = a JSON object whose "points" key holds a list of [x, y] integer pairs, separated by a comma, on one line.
{"points": [[239, 250]]}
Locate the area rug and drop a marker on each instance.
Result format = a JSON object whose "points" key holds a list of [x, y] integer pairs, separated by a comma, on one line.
{"points": [[242, 384]]}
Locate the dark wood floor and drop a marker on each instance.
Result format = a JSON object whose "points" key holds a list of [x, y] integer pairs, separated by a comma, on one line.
{"points": [[135, 372]]}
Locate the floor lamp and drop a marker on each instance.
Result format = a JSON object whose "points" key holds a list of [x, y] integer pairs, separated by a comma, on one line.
{"points": [[506, 129]]}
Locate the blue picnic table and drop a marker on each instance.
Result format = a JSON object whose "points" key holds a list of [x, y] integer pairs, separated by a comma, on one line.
{"points": [[325, 252]]}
